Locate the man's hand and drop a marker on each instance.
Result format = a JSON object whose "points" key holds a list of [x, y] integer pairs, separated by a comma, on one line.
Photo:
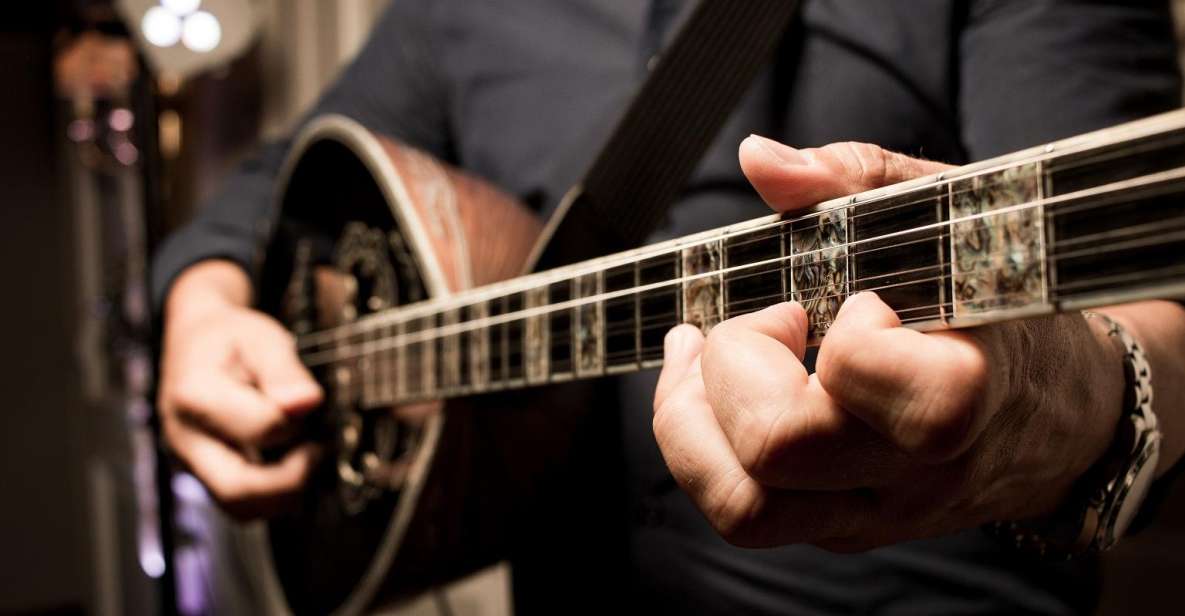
{"points": [[231, 383], [898, 435]]}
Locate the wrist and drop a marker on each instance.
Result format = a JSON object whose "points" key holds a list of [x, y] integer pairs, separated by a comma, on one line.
{"points": [[1108, 384], [1104, 501], [206, 288]]}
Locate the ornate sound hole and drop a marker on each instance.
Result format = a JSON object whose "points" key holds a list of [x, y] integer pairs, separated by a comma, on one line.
{"points": [[372, 446]]}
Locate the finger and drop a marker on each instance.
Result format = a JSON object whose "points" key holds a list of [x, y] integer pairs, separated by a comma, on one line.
{"points": [[244, 489], [929, 394], [681, 347], [417, 413], [231, 409], [269, 354], [743, 511], [789, 178], [786, 431]]}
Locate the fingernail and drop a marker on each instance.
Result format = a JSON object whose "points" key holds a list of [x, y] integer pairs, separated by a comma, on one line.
{"points": [[296, 393], [843, 306], [782, 152], [674, 342]]}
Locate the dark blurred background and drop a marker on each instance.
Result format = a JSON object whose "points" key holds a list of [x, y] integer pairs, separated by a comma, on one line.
{"points": [[117, 118]]}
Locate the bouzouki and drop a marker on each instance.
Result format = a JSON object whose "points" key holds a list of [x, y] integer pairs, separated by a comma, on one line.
{"points": [[386, 263]]}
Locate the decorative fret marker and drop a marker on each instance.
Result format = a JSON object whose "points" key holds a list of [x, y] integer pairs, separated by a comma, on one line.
{"points": [[479, 346], [537, 350], [703, 304], [819, 267], [589, 335], [999, 260]]}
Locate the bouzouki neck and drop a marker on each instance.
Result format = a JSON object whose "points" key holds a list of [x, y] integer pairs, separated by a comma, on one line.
{"points": [[1094, 220]]}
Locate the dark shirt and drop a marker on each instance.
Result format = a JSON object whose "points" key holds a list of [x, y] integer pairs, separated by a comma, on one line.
{"points": [[523, 93]]}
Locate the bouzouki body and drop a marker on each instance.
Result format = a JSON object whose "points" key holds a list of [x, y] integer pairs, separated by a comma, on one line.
{"points": [[377, 246]]}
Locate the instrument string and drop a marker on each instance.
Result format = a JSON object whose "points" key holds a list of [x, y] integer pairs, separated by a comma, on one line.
{"points": [[366, 346], [344, 332]]}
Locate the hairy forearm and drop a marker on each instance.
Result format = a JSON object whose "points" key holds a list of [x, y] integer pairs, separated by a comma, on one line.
{"points": [[1159, 327]]}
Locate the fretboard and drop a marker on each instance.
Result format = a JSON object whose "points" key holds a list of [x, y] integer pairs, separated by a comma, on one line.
{"points": [[1094, 220]]}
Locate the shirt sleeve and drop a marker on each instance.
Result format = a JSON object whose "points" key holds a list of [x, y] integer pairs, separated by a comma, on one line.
{"points": [[393, 87], [1041, 70]]}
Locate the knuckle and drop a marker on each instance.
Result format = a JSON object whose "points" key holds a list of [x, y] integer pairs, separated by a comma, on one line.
{"points": [[836, 365], [664, 423], [935, 431], [734, 515], [939, 426], [868, 164], [660, 422], [170, 430], [229, 492], [720, 335], [186, 392], [776, 454]]}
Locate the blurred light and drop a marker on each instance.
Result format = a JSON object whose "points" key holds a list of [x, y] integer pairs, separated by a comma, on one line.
{"points": [[80, 130], [201, 32], [181, 7], [187, 488], [121, 119], [126, 153], [152, 562], [161, 27]]}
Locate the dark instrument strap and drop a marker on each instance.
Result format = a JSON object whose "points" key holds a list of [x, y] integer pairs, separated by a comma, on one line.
{"points": [[668, 126]]}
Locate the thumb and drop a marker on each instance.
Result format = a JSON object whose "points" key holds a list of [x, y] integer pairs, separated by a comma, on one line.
{"points": [[269, 355], [681, 350], [790, 179]]}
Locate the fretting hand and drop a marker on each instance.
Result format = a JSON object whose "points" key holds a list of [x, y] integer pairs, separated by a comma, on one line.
{"points": [[899, 434]]}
